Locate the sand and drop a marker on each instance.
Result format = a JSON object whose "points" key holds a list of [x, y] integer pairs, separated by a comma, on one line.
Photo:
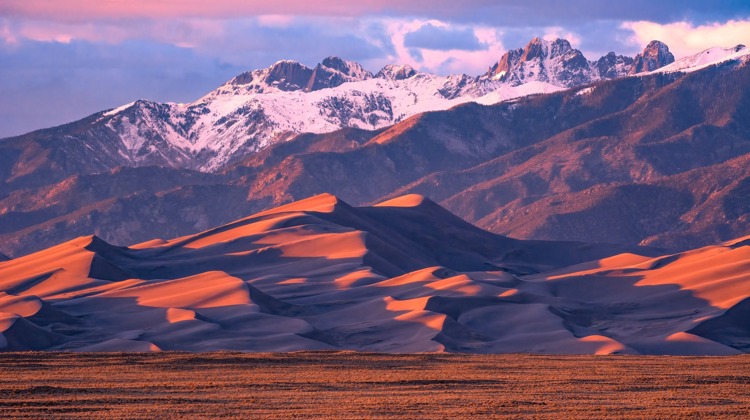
{"points": [[402, 276]]}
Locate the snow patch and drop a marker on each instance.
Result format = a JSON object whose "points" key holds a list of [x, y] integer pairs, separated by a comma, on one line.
{"points": [[585, 91], [703, 59], [118, 110]]}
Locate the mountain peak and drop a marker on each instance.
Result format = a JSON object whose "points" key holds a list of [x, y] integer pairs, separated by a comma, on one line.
{"points": [[555, 62], [289, 75], [335, 71], [285, 75], [654, 56], [611, 66], [656, 44], [396, 72], [339, 64], [536, 48], [334, 62], [349, 68]]}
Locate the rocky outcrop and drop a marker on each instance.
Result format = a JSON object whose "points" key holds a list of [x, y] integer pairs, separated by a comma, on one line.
{"points": [[289, 75], [396, 72], [612, 66], [285, 75], [333, 71], [654, 56], [554, 62]]}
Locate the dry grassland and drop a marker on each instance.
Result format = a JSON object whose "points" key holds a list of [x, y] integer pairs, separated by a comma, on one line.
{"points": [[356, 385]]}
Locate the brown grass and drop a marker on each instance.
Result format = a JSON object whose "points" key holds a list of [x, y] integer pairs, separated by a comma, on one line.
{"points": [[355, 385]]}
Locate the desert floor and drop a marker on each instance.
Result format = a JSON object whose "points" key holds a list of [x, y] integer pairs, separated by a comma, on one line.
{"points": [[355, 385]]}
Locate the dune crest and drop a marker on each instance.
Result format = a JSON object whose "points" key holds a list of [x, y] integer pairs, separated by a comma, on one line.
{"points": [[404, 275], [410, 200]]}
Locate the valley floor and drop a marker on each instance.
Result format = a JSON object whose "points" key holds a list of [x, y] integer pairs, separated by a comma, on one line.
{"points": [[356, 385]]}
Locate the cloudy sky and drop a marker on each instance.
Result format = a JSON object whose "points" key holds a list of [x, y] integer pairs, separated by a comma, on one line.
{"points": [[61, 60]]}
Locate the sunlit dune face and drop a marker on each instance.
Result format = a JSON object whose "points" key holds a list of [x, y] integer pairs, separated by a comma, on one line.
{"points": [[461, 284], [429, 319], [686, 338], [296, 280], [717, 274], [92, 290], [299, 240], [414, 311], [412, 278], [605, 345], [323, 203], [20, 305], [410, 200], [207, 290], [149, 244], [231, 232], [330, 246], [68, 264], [356, 278], [594, 267], [175, 315], [417, 304]]}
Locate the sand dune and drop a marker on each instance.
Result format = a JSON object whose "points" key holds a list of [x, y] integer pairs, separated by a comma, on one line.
{"points": [[402, 276]]}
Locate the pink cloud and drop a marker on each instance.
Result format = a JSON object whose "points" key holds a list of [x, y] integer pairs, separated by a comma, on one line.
{"points": [[6, 34], [81, 10], [187, 33], [450, 61], [684, 38]]}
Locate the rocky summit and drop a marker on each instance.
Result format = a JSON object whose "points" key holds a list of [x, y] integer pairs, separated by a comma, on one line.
{"points": [[654, 56]]}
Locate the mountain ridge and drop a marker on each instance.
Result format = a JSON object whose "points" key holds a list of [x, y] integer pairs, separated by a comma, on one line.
{"points": [[267, 106]]}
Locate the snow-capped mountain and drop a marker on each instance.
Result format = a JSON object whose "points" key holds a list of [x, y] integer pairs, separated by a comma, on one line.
{"points": [[611, 66], [396, 72], [554, 62], [287, 75], [706, 58], [262, 107], [558, 63]]}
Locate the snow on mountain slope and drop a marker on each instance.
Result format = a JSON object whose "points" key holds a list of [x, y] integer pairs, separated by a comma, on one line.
{"points": [[506, 92], [706, 58], [240, 118], [262, 107]]}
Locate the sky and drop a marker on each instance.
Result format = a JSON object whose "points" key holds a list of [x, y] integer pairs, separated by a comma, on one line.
{"points": [[61, 60]]}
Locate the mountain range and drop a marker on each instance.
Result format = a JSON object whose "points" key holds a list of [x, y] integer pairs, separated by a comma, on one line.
{"points": [[262, 107], [545, 145], [404, 275]]}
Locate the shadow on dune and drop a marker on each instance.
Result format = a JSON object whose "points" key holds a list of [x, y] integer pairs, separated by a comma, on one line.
{"points": [[404, 276]]}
